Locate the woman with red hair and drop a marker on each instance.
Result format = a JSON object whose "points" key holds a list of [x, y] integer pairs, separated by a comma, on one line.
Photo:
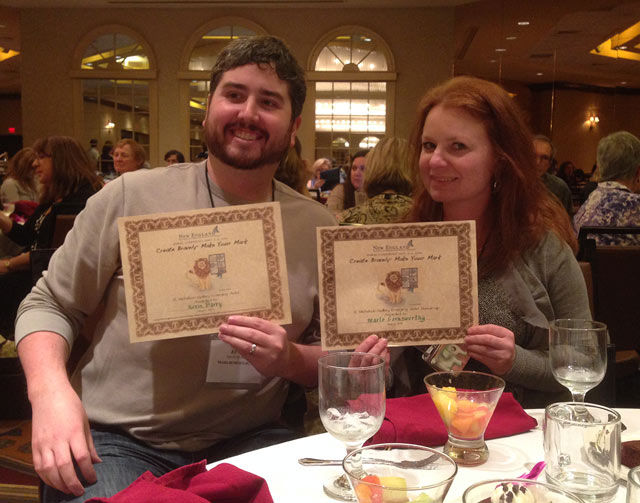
{"points": [[473, 159]]}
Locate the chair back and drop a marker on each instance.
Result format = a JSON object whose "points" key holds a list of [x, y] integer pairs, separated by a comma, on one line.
{"points": [[65, 215], [616, 285]]}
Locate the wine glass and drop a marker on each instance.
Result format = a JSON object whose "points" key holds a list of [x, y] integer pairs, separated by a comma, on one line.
{"points": [[578, 354], [351, 404]]}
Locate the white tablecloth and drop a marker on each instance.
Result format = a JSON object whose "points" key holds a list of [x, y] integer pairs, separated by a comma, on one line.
{"points": [[290, 482]]}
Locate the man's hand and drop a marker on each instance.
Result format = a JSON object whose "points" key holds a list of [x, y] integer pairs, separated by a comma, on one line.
{"points": [[61, 435], [60, 426], [492, 345], [271, 353]]}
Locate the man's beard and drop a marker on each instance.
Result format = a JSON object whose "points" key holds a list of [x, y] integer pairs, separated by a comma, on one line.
{"points": [[270, 154]]}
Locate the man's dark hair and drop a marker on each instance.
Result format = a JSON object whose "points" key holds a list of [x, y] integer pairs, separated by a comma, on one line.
{"points": [[178, 154], [264, 50]]}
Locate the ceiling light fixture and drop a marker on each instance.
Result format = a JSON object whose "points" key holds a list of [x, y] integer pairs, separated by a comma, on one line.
{"points": [[7, 53], [539, 74], [501, 49], [624, 82], [523, 23], [613, 47], [511, 37]]}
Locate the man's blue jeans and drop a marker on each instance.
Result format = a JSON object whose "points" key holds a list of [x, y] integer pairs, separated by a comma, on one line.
{"points": [[124, 459]]}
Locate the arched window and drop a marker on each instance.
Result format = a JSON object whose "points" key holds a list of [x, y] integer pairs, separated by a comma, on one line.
{"points": [[200, 55], [353, 75], [114, 77]]}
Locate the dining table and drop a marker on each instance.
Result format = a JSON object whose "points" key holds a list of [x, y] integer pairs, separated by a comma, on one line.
{"points": [[509, 457]]}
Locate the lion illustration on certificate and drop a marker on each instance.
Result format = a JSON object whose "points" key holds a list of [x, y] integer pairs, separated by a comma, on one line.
{"points": [[205, 267], [390, 289]]}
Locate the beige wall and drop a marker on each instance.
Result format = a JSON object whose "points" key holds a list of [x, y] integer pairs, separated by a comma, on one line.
{"points": [[566, 122], [50, 36]]}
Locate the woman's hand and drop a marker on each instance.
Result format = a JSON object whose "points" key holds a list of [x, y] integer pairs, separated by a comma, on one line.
{"points": [[5, 223], [376, 346], [493, 346]]}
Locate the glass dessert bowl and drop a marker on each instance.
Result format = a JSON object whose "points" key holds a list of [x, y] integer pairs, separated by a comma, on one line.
{"points": [[465, 401], [517, 491], [399, 473]]}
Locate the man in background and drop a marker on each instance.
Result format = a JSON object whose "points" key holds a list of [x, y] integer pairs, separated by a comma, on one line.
{"points": [[544, 157], [93, 153]]}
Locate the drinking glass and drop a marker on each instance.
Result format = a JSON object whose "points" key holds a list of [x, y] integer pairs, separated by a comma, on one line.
{"points": [[351, 402], [633, 485], [583, 456], [578, 354]]}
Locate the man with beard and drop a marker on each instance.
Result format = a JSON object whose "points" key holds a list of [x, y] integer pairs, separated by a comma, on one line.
{"points": [[129, 408]]}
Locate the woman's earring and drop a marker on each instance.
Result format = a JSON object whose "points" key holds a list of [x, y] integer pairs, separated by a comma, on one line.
{"points": [[494, 187]]}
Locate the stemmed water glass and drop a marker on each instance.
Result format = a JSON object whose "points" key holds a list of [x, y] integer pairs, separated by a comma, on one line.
{"points": [[351, 404], [578, 354]]}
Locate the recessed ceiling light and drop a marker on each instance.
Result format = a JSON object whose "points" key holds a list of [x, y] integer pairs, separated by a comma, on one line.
{"points": [[511, 38], [624, 82], [492, 61], [523, 23], [623, 47], [539, 73], [501, 49]]}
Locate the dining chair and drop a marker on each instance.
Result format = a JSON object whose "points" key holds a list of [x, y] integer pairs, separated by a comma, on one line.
{"points": [[615, 276]]}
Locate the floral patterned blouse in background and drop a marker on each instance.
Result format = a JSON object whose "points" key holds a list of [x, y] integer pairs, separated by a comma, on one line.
{"points": [[611, 204]]}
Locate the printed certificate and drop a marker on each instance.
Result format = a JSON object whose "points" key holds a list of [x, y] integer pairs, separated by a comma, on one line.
{"points": [[186, 272], [415, 284]]}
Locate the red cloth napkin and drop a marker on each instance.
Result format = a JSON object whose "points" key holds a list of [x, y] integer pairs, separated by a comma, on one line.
{"points": [[415, 420], [224, 483], [23, 210]]}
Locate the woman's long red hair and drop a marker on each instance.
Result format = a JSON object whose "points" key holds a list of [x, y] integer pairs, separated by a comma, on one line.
{"points": [[521, 209]]}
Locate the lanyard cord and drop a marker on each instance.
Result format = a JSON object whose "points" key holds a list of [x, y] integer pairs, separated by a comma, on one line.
{"points": [[206, 177]]}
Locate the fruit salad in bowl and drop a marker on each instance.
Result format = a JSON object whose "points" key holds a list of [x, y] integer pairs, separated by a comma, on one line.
{"points": [[465, 401]]}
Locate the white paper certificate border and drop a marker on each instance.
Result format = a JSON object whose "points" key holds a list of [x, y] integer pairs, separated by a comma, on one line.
{"points": [[467, 274], [131, 228]]}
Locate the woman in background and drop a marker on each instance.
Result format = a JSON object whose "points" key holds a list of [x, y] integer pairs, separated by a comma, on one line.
{"points": [[128, 155], [68, 178], [20, 183], [292, 170], [350, 193], [387, 183], [616, 200], [320, 165], [473, 159]]}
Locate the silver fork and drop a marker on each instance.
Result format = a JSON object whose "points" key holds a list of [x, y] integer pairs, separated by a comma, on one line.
{"points": [[405, 463]]}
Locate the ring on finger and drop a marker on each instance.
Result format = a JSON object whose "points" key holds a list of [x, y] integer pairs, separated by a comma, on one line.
{"points": [[253, 349]]}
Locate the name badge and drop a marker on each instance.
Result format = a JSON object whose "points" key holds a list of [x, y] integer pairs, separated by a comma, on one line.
{"points": [[228, 369]]}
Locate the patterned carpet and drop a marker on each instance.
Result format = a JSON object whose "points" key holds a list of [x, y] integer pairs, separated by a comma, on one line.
{"points": [[18, 481]]}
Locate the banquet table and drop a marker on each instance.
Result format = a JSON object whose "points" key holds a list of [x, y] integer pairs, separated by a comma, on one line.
{"points": [[508, 457]]}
